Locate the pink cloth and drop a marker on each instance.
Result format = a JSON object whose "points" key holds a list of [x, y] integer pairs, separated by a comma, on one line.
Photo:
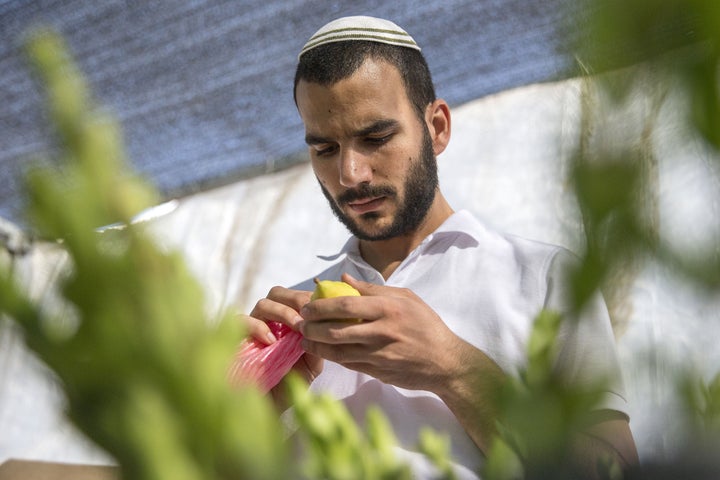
{"points": [[265, 365]]}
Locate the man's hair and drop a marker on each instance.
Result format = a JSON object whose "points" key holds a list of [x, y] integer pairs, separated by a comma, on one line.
{"points": [[328, 64]]}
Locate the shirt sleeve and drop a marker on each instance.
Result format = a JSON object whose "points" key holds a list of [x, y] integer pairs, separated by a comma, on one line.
{"points": [[587, 349]]}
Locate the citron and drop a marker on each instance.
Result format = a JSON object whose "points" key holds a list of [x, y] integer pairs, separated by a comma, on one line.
{"points": [[332, 289]]}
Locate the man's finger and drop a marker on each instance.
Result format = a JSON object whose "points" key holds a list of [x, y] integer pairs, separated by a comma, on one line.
{"points": [[365, 288], [258, 329], [292, 298], [333, 332], [271, 311], [341, 309], [368, 289]]}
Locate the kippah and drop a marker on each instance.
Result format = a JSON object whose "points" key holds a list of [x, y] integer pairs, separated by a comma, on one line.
{"points": [[360, 28]]}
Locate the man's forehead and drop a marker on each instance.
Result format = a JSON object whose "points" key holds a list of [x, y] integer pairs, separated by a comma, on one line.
{"points": [[371, 67], [375, 79]]}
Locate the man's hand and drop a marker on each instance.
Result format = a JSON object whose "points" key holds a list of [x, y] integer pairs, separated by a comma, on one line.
{"points": [[282, 305], [400, 340]]}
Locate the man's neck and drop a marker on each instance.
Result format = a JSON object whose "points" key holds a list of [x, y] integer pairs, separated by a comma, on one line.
{"points": [[386, 255]]}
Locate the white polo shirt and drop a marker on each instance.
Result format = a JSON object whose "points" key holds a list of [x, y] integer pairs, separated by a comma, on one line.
{"points": [[487, 287]]}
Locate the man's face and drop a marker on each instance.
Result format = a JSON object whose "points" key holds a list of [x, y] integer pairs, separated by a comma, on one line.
{"points": [[371, 154]]}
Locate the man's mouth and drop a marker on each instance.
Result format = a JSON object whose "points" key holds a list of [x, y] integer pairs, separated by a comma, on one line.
{"points": [[365, 205]]}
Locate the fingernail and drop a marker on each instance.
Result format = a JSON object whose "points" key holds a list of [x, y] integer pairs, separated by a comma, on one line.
{"points": [[270, 338], [297, 320]]}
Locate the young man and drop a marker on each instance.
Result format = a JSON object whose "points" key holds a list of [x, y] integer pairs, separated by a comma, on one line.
{"points": [[447, 305]]}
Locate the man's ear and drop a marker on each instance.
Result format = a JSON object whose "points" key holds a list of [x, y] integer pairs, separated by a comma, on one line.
{"points": [[437, 117]]}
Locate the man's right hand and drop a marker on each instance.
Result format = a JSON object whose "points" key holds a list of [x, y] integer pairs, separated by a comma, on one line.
{"points": [[282, 305]]}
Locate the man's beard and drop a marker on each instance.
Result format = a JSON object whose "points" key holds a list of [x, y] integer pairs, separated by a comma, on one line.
{"points": [[420, 186]]}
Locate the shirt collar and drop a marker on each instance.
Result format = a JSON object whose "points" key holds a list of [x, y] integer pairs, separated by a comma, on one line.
{"points": [[351, 247], [461, 222]]}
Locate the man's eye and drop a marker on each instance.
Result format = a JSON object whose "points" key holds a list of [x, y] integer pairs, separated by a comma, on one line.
{"points": [[378, 140], [325, 151]]}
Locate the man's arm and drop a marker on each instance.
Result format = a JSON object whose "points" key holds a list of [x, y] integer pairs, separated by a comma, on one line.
{"points": [[472, 393], [472, 396], [609, 438], [403, 342]]}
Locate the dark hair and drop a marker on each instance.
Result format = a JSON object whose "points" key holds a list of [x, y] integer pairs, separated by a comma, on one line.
{"points": [[332, 62]]}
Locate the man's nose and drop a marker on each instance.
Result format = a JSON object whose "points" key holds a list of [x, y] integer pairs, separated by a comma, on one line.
{"points": [[354, 168]]}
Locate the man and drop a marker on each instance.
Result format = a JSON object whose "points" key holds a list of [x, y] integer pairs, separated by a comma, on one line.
{"points": [[447, 305]]}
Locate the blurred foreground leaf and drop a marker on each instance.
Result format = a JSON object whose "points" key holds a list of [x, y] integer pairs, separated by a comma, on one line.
{"points": [[540, 414], [143, 369], [679, 37]]}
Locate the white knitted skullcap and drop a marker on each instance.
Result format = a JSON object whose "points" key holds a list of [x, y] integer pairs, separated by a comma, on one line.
{"points": [[360, 28]]}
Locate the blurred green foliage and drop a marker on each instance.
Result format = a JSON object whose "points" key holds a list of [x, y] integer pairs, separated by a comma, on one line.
{"points": [[541, 414], [679, 40], [659, 46], [332, 444], [143, 368]]}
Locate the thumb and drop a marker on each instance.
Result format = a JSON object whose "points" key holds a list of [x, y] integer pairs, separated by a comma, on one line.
{"points": [[365, 288]]}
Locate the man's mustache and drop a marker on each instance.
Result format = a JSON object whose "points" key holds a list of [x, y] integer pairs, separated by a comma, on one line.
{"points": [[365, 191]]}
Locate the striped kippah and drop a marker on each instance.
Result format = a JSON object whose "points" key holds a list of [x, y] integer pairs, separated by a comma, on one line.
{"points": [[360, 28]]}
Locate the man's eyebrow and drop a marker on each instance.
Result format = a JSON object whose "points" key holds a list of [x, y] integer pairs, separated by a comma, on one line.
{"points": [[377, 127], [311, 139]]}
